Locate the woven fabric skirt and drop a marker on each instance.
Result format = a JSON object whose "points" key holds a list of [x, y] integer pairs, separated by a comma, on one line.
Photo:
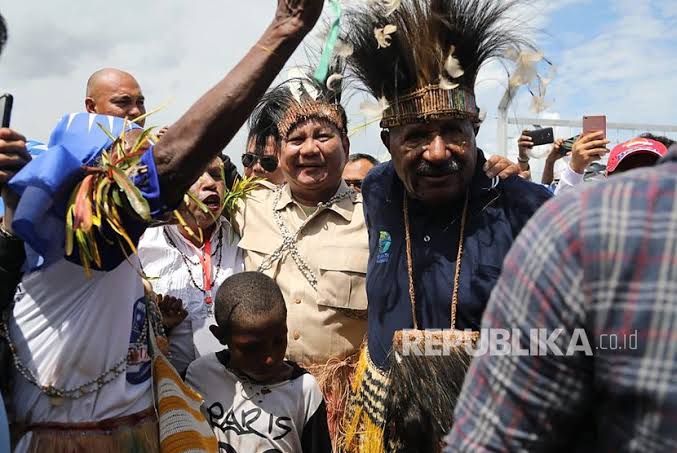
{"points": [[136, 433]]}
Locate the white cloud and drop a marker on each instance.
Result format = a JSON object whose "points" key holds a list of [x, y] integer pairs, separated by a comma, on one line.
{"points": [[175, 50]]}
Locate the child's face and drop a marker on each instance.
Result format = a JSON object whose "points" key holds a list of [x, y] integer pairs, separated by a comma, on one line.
{"points": [[257, 348]]}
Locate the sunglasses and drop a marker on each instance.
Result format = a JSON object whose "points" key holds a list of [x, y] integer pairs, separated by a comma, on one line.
{"points": [[268, 163], [357, 183]]}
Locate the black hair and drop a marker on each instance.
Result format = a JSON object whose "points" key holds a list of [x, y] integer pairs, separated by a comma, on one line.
{"points": [[263, 123], [659, 138], [359, 156], [3, 33], [247, 295], [229, 171]]}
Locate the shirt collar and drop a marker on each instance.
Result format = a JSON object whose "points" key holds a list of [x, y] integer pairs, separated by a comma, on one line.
{"points": [[344, 207]]}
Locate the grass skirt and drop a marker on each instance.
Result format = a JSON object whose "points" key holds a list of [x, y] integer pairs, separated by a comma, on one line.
{"points": [[407, 409], [334, 378]]}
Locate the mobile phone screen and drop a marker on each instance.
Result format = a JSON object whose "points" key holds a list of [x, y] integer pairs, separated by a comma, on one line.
{"points": [[594, 124], [5, 109]]}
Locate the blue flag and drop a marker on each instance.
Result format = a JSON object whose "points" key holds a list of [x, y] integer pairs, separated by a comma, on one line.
{"points": [[45, 184]]}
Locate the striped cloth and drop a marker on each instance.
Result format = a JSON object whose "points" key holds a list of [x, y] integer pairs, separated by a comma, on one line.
{"points": [[604, 260], [183, 427]]}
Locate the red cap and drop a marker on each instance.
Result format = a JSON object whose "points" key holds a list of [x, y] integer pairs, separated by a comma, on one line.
{"points": [[634, 147]]}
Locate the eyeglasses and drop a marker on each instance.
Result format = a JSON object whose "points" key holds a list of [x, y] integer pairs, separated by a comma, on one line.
{"points": [[356, 183], [268, 163]]}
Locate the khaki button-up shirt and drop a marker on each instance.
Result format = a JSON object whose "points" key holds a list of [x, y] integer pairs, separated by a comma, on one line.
{"points": [[330, 320]]}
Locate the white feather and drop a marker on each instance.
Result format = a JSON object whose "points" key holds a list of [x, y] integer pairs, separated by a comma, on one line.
{"points": [[447, 84], [310, 89], [343, 49], [333, 80], [382, 35], [300, 83], [452, 65], [538, 104], [374, 109], [391, 6], [525, 68]]}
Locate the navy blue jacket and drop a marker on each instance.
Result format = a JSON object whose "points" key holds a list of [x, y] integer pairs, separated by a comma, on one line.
{"points": [[495, 217]]}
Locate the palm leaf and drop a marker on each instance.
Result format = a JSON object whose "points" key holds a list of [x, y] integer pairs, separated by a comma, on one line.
{"points": [[187, 228], [138, 119], [83, 204], [69, 231], [108, 133], [136, 200], [143, 138]]}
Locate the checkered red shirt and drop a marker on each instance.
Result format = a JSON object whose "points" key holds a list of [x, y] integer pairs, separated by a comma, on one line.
{"points": [[604, 260]]}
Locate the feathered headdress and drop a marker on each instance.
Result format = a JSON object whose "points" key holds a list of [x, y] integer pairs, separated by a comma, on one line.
{"points": [[295, 100], [313, 92], [421, 57]]}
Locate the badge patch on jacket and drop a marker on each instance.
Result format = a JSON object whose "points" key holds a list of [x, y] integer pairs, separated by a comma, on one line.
{"points": [[384, 242]]}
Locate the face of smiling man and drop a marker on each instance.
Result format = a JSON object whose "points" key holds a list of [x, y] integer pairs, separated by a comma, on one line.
{"points": [[434, 160], [312, 158]]}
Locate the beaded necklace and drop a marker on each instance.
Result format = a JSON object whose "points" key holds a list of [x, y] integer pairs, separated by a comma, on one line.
{"points": [[206, 292]]}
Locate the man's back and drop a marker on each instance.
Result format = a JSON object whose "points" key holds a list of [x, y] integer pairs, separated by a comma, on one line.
{"points": [[601, 261]]}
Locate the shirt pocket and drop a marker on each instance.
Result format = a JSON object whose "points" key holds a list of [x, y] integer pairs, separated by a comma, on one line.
{"points": [[342, 280], [258, 245]]}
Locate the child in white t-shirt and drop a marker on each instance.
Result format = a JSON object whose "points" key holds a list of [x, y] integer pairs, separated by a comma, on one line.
{"points": [[255, 400]]}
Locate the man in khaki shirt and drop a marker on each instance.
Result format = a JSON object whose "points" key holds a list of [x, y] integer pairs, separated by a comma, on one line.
{"points": [[317, 255], [326, 307], [310, 236]]}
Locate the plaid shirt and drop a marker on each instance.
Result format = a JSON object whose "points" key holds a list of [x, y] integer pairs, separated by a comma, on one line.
{"points": [[604, 260]]}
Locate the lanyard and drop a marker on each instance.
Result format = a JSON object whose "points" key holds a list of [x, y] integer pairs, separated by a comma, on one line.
{"points": [[206, 262], [205, 257]]}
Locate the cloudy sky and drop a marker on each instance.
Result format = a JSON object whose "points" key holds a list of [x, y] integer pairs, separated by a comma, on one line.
{"points": [[613, 57]]}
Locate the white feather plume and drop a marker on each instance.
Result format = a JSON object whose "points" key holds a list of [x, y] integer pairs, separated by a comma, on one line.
{"points": [[382, 35], [452, 65], [299, 84], [447, 84], [374, 109]]}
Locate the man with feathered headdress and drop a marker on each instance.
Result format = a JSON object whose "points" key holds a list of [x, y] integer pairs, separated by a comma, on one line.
{"points": [[309, 234], [439, 228]]}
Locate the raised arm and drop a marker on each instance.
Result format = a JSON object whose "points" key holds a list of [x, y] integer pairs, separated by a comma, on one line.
{"points": [[207, 127]]}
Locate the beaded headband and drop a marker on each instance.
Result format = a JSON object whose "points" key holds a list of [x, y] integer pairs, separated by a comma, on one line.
{"points": [[298, 113], [431, 103]]}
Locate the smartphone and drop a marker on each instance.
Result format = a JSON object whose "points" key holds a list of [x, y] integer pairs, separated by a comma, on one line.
{"points": [[594, 124], [541, 136], [6, 101], [568, 145]]}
